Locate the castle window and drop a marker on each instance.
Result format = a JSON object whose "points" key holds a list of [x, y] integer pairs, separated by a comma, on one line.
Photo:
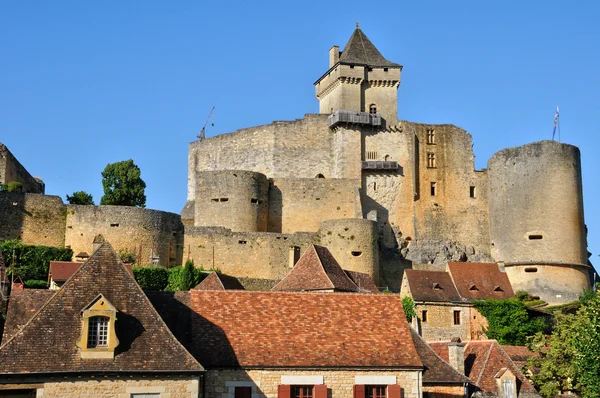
{"points": [[242, 242], [531, 269], [535, 237], [253, 200], [431, 136], [114, 224], [433, 187], [385, 69], [374, 186], [223, 199], [424, 316], [372, 109], [319, 176], [456, 317], [472, 192], [215, 199], [430, 160], [98, 332], [356, 254]]}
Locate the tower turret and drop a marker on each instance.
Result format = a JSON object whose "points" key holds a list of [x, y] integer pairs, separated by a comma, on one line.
{"points": [[359, 79]]}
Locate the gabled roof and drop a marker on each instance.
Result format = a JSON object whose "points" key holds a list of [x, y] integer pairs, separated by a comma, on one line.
{"points": [[46, 343], [431, 286], [363, 281], [316, 270], [436, 370], [483, 360], [281, 329], [360, 51], [62, 270], [217, 281], [480, 281], [23, 304]]}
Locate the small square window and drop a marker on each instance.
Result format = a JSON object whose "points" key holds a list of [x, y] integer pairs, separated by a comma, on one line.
{"points": [[457, 317]]}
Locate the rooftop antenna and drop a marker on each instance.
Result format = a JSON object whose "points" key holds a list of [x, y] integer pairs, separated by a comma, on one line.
{"points": [[202, 134]]}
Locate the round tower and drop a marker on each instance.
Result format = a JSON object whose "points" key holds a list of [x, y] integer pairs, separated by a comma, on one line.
{"points": [[353, 243], [232, 199], [536, 219]]}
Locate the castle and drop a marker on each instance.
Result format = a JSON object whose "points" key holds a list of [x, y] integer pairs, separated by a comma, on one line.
{"points": [[383, 194]]}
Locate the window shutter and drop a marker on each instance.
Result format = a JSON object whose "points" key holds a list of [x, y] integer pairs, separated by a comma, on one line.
{"points": [[359, 391], [394, 391], [320, 391], [284, 391]]}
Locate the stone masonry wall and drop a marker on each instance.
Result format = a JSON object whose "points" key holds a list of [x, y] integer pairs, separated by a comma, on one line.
{"points": [[128, 228], [441, 391], [301, 204], [340, 382], [110, 386], [440, 321], [34, 218], [11, 170]]}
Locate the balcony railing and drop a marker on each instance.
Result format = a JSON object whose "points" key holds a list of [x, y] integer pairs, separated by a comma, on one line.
{"points": [[351, 117], [379, 165]]}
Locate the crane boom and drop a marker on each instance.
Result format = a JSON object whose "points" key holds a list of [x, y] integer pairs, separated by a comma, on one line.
{"points": [[202, 134]]}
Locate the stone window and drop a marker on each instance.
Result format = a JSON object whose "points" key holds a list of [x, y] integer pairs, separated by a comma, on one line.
{"points": [[531, 269], [433, 188], [302, 392], [374, 186], [535, 237], [373, 109], [472, 192], [242, 392], [356, 254], [431, 136], [375, 391], [424, 316], [430, 160], [98, 338], [456, 314]]}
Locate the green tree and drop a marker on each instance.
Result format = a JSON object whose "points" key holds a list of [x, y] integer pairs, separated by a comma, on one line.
{"points": [[80, 198], [123, 185], [408, 305], [509, 321], [188, 275], [586, 342]]}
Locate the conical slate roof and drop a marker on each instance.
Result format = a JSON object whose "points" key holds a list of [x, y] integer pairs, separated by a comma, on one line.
{"points": [[359, 50], [47, 342]]}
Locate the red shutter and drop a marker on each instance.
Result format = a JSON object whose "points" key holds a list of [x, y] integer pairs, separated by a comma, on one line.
{"points": [[394, 391], [284, 391], [320, 391], [359, 391]]}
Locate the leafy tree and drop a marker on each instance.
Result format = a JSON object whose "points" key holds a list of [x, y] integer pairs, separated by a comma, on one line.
{"points": [[409, 308], [188, 275], [80, 198], [123, 185], [586, 342], [508, 320]]}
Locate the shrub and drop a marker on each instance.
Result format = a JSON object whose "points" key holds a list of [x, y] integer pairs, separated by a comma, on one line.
{"points": [[127, 256], [151, 278], [80, 198], [409, 308], [13, 186], [32, 262], [176, 278], [36, 284]]}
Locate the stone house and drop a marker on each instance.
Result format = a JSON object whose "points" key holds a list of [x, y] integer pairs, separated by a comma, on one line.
{"points": [[443, 300]]}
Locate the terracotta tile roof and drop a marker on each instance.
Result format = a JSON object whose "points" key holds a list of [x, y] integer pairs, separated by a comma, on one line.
{"points": [[483, 360], [62, 270], [281, 329], [431, 286], [316, 270], [21, 307], [363, 281], [216, 281], [519, 354], [436, 370], [480, 281], [359, 50], [46, 343]]}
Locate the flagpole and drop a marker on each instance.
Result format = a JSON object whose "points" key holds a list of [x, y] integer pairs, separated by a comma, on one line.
{"points": [[558, 124]]}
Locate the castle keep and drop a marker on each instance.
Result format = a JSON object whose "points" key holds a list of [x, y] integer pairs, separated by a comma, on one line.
{"points": [[382, 194]]}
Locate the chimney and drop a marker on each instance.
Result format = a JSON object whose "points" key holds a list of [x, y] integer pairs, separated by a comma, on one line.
{"points": [[98, 241], [456, 354], [334, 55]]}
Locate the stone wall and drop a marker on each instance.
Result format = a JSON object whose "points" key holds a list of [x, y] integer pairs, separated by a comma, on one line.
{"points": [[440, 321], [121, 387], [143, 231], [443, 391], [301, 204], [11, 170], [233, 199], [340, 382], [34, 218]]}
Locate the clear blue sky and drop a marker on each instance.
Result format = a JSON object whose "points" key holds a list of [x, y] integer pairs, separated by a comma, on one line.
{"points": [[83, 84]]}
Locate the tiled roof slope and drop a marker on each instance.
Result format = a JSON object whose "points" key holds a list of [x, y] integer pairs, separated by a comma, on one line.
{"points": [[436, 369], [483, 360], [487, 278], [363, 281], [62, 270], [216, 281], [280, 329], [316, 270], [46, 343], [360, 51], [431, 286], [21, 307], [519, 354]]}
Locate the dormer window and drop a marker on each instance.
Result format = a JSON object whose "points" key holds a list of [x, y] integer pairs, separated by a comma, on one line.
{"points": [[473, 288], [98, 338], [498, 289], [373, 109], [436, 286]]}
